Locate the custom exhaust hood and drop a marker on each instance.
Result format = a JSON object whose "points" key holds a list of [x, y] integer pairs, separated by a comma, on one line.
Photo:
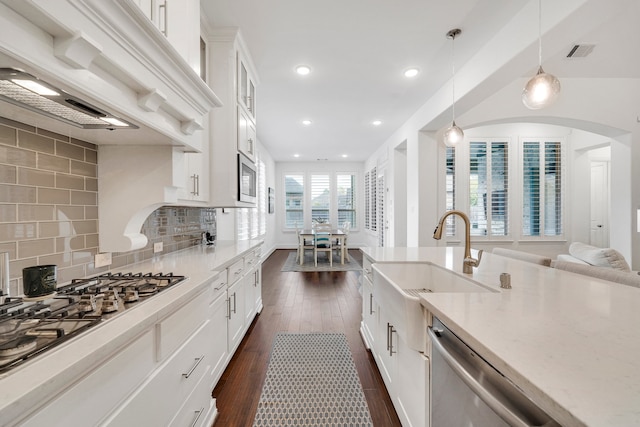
{"points": [[121, 85], [26, 91]]}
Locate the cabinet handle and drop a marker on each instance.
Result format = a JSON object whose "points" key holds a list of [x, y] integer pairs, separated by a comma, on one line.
{"points": [[388, 326], [193, 368], [391, 331], [229, 308], [198, 413], [250, 145], [234, 303], [222, 285], [196, 185], [163, 18], [371, 304]]}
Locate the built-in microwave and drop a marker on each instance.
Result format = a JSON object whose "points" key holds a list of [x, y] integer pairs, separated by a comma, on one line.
{"points": [[247, 179]]}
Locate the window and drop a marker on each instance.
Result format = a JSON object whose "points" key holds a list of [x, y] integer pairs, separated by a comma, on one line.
{"points": [[320, 198], [367, 201], [450, 180], [484, 191], [542, 188], [488, 188], [346, 193], [328, 197], [373, 222], [294, 201]]}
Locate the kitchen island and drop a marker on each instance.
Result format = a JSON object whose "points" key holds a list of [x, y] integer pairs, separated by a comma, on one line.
{"points": [[119, 372], [569, 342]]}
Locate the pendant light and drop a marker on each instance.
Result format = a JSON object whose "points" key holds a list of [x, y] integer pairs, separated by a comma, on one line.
{"points": [[453, 134], [543, 88]]}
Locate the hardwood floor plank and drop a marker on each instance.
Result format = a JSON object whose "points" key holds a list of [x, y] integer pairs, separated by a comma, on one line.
{"points": [[299, 302]]}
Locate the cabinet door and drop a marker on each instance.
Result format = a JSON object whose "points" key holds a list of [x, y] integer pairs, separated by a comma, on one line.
{"points": [[386, 352], [413, 386], [257, 294], [235, 315], [369, 313], [246, 135], [218, 337], [249, 296], [246, 88], [195, 185]]}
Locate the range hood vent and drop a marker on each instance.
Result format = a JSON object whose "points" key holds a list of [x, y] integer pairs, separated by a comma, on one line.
{"points": [[26, 91]]}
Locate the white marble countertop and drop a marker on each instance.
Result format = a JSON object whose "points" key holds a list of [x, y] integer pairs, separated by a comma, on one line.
{"points": [[570, 342], [38, 380]]}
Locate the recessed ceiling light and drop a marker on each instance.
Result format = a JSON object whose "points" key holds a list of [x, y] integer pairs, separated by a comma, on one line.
{"points": [[411, 72], [296, 155], [303, 70], [345, 155], [306, 122], [376, 122]]}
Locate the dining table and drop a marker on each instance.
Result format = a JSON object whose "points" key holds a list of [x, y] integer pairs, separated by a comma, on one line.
{"points": [[336, 234]]}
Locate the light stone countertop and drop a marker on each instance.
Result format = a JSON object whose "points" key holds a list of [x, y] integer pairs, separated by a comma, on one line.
{"points": [[570, 342], [38, 381]]}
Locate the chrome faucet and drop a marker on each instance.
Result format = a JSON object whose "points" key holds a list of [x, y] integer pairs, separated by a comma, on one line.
{"points": [[468, 262]]}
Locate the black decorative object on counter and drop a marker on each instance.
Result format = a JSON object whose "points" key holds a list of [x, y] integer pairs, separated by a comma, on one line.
{"points": [[39, 280]]}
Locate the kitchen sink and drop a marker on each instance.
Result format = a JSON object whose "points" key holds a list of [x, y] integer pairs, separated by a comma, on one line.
{"points": [[396, 287]]}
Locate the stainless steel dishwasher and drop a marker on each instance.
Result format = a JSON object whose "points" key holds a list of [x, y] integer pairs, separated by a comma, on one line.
{"points": [[467, 391]]}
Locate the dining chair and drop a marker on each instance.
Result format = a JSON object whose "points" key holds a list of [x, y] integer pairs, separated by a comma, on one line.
{"points": [[303, 244], [323, 226], [340, 243], [323, 244]]}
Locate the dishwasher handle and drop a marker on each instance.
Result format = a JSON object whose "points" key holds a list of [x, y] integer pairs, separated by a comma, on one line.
{"points": [[494, 402]]}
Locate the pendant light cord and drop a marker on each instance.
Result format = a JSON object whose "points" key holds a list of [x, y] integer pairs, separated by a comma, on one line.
{"points": [[539, 33], [453, 78], [452, 35]]}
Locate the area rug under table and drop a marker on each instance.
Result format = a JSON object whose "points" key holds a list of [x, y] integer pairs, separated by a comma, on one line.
{"points": [[323, 265], [312, 381]]}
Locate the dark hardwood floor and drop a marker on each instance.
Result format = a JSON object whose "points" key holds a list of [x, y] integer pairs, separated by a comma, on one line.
{"points": [[299, 302]]}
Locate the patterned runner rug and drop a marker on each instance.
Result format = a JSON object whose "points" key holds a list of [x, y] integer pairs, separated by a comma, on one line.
{"points": [[312, 381], [323, 264]]}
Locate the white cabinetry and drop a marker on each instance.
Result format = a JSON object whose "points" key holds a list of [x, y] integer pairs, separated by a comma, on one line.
{"points": [[246, 86], [184, 358], [246, 134], [150, 381], [218, 337], [179, 21], [123, 371], [235, 315], [232, 127], [404, 371], [369, 327]]}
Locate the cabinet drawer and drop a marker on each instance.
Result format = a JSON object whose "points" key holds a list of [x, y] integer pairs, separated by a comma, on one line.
{"points": [[101, 390], [218, 285], [177, 327], [159, 399], [366, 268], [235, 271], [250, 260], [197, 410]]}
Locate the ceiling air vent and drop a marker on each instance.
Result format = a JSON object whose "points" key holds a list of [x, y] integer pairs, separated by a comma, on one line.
{"points": [[580, 50]]}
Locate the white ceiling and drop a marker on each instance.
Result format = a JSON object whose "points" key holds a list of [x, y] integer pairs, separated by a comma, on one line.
{"points": [[358, 50]]}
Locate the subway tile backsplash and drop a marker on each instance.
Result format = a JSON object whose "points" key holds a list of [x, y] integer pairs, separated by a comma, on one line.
{"points": [[49, 207]]}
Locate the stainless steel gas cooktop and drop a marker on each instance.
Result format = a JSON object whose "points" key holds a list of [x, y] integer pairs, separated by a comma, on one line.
{"points": [[29, 327]]}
